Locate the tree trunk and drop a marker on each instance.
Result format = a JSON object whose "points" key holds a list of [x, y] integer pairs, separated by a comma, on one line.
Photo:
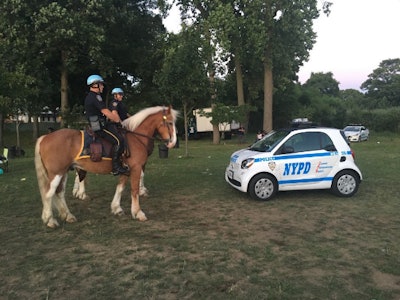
{"points": [[64, 89], [185, 125], [211, 78], [240, 88], [35, 128], [268, 92], [216, 136], [1, 130], [239, 81], [17, 123]]}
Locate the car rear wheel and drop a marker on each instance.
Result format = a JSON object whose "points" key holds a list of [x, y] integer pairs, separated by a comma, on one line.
{"points": [[345, 183], [263, 187]]}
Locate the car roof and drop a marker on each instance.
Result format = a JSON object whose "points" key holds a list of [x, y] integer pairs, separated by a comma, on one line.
{"points": [[311, 128], [354, 125], [305, 124]]}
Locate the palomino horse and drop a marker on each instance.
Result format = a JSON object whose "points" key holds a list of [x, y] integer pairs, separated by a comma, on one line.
{"points": [[57, 152]]}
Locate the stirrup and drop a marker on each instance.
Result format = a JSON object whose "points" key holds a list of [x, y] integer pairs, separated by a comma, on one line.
{"points": [[120, 170]]}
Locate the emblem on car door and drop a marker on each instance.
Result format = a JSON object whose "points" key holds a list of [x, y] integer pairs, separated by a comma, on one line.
{"points": [[271, 165]]}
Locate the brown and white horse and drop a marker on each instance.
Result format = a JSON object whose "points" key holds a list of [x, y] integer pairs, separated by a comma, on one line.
{"points": [[57, 152]]}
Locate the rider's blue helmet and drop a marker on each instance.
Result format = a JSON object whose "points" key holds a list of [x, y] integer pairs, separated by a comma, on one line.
{"points": [[92, 79], [117, 91]]}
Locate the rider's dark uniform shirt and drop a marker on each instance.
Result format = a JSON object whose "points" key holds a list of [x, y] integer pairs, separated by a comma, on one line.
{"points": [[120, 108], [94, 104]]}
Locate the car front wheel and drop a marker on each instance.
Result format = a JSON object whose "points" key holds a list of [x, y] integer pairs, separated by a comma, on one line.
{"points": [[345, 183], [263, 187]]}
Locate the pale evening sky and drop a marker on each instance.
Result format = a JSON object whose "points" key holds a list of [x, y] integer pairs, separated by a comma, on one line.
{"points": [[351, 42]]}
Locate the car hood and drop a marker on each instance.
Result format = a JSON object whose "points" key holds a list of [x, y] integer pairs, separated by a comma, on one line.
{"points": [[348, 133], [246, 153]]}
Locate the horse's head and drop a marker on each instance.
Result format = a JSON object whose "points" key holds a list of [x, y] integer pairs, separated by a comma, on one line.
{"points": [[159, 119], [166, 127]]}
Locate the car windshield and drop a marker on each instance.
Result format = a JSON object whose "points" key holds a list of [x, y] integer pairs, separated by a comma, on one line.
{"points": [[352, 128], [268, 142]]}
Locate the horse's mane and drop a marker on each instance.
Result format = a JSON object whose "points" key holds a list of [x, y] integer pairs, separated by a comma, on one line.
{"points": [[134, 121]]}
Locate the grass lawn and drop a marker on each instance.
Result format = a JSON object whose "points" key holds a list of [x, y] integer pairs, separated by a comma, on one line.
{"points": [[203, 239]]}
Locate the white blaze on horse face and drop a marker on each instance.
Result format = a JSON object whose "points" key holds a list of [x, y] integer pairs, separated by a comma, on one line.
{"points": [[172, 141]]}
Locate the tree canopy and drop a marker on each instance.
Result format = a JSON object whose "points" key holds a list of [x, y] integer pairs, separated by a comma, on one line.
{"points": [[244, 52], [384, 83], [324, 83], [69, 40], [263, 37]]}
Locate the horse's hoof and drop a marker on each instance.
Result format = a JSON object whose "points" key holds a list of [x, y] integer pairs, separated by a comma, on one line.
{"points": [[118, 212], [85, 198], [52, 223], [71, 219], [82, 197], [144, 192], [141, 216]]}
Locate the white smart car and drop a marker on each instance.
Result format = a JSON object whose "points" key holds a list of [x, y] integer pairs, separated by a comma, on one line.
{"points": [[295, 159]]}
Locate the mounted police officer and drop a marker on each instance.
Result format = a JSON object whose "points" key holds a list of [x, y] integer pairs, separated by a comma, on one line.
{"points": [[117, 106], [97, 112]]}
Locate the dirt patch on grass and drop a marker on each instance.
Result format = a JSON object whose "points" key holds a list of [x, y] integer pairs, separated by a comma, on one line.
{"points": [[386, 281]]}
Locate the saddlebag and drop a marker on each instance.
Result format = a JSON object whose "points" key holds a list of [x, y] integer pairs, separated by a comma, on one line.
{"points": [[96, 151]]}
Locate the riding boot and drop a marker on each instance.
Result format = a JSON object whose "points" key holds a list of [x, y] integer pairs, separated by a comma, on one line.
{"points": [[117, 167]]}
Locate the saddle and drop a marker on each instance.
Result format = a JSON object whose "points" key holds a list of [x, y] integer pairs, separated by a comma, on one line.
{"points": [[96, 147]]}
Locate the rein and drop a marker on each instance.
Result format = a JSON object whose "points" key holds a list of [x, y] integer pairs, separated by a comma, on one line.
{"points": [[147, 136]]}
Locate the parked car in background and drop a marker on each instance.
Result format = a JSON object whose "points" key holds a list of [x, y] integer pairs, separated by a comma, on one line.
{"points": [[356, 133], [295, 159]]}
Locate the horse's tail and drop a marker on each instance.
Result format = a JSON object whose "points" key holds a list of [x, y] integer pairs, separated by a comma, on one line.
{"points": [[41, 172]]}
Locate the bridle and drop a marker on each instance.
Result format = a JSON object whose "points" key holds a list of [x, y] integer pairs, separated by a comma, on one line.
{"points": [[165, 124]]}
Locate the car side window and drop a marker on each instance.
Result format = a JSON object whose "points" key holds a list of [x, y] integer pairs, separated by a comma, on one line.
{"points": [[308, 141], [326, 142]]}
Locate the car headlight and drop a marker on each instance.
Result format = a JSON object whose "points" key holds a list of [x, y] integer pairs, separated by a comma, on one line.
{"points": [[247, 163]]}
